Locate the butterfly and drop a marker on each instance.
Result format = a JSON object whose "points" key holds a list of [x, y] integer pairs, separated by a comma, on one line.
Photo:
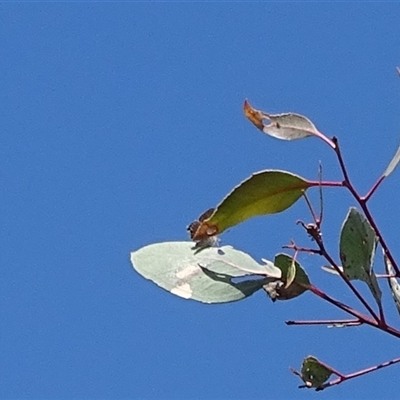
{"points": [[194, 226]]}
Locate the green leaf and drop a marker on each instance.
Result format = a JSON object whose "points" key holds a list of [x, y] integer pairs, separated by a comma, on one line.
{"points": [[393, 163], [314, 373], [290, 286], [265, 192], [393, 283], [205, 276], [357, 249], [291, 274]]}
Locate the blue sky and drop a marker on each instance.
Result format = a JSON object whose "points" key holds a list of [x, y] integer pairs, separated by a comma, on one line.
{"points": [[121, 123]]}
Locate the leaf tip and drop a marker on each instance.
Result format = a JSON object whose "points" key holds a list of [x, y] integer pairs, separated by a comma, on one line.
{"points": [[253, 115]]}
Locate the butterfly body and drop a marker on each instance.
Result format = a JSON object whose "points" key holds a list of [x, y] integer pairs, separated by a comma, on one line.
{"points": [[194, 226]]}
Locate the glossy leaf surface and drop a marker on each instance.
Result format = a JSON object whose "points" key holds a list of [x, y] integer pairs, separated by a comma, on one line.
{"points": [[265, 192]]}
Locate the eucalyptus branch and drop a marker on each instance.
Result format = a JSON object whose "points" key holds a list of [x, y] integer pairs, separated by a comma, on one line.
{"points": [[373, 189], [337, 322], [321, 198], [331, 261], [271, 192], [342, 378], [363, 318], [312, 212], [326, 183], [315, 233], [381, 240], [294, 247], [362, 201]]}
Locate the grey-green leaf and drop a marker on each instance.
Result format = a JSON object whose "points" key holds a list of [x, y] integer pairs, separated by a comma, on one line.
{"points": [[393, 283], [287, 126], [204, 276], [357, 249]]}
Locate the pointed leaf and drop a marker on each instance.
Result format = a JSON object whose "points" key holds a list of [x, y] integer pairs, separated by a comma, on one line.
{"points": [[393, 283], [357, 249], [291, 273], [265, 192], [393, 163], [331, 270], [314, 373], [287, 126], [245, 266], [282, 290], [374, 287], [395, 160], [205, 276]]}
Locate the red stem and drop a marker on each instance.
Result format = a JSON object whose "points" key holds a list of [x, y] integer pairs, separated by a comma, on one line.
{"points": [[343, 378], [326, 183], [362, 201], [346, 322], [363, 318], [373, 188], [347, 281]]}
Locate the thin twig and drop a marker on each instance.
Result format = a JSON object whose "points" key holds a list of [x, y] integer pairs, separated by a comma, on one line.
{"points": [[387, 328], [321, 198], [362, 201], [314, 217], [340, 159], [382, 242], [373, 188], [294, 247], [347, 280], [344, 322], [343, 378]]}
